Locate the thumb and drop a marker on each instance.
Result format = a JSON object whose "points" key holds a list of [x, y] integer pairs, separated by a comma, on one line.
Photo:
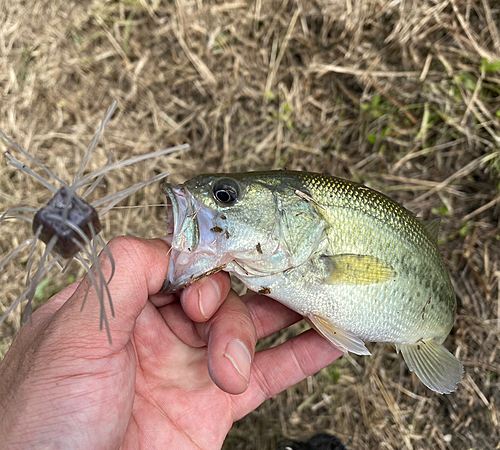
{"points": [[140, 270]]}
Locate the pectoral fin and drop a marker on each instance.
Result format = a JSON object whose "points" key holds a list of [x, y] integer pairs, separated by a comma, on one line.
{"points": [[342, 339], [436, 367], [357, 270]]}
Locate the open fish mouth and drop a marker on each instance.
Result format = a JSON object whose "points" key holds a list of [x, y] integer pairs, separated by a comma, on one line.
{"points": [[177, 207], [191, 237]]}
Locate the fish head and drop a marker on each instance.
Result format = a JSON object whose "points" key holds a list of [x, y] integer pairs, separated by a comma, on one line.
{"points": [[251, 224]]}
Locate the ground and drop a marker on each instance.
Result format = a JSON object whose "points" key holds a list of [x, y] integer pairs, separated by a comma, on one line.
{"points": [[401, 96]]}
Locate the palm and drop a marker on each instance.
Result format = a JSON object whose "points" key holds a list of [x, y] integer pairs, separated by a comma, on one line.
{"points": [[176, 404]]}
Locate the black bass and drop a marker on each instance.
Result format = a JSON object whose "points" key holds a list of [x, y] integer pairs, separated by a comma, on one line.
{"points": [[357, 265]]}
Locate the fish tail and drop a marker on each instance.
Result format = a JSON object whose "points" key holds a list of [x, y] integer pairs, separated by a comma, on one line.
{"points": [[436, 367]]}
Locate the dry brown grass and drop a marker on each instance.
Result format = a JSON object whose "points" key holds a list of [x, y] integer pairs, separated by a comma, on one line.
{"points": [[402, 96]]}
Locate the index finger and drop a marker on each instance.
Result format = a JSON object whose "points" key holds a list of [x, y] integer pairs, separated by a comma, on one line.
{"points": [[202, 299]]}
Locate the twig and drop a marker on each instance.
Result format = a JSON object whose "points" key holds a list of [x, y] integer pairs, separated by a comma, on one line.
{"points": [[481, 209]]}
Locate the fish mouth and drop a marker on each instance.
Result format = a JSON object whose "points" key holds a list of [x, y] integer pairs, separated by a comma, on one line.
{"points": [[177, 207], [189, 233]]}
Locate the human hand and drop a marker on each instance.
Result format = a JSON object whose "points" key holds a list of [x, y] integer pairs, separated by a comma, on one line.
{"points": [[172, 377]]}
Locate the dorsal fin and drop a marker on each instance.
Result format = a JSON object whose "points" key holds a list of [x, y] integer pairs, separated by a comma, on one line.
{"points": [[432, 227]]}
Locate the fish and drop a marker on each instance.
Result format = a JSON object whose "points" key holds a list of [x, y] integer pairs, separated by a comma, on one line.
{"points": [[358, 266]]}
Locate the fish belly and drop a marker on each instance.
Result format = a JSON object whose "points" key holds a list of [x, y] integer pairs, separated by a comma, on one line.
{"points": [[416, 304]]}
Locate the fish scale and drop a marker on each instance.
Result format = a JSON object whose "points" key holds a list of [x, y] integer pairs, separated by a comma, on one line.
{"points": [[388, 216], [357, 265]]}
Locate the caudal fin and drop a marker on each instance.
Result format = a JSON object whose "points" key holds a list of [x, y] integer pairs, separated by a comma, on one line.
{"points": [[436, 367]]}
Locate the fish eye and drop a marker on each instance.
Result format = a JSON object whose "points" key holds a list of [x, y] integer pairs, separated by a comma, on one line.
{"points": [[226, 192]]}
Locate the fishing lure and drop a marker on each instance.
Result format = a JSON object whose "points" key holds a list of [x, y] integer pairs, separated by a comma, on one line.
{"points": [[68, 225]]}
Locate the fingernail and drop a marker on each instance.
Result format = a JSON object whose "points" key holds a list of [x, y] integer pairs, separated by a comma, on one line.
{"points": [[208, 297], [238, 354]]}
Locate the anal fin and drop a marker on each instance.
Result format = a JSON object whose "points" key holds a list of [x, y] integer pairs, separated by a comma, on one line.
{"points": [[436, 367], [342, 339]]}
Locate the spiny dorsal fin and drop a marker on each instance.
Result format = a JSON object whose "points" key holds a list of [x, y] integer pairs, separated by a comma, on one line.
{"points": [[432, 227], [357, 270], [436, 367], [342, 339]]}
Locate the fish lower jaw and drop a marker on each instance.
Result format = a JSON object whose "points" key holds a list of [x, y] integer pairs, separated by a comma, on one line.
{"points": [[170, 287]]}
